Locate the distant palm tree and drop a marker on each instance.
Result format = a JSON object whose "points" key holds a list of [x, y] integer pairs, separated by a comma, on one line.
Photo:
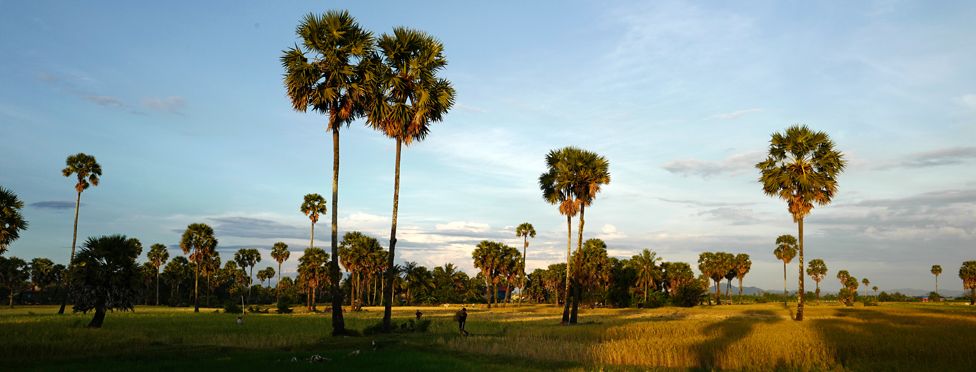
{"points": [[42, 271], [510, 269], [329, 73], [590, 172], [716, 265], [817, 270], [313, 206], [967, 272], [802, 169], [936, 270], [648, 273], [279, 252], [14, 273], [11, 221], [875, 289], [866, 283], [593, 266], [200, 240], [843, 275], [311, 267], [408, 97], [742, 266], [266, 275], [157, 256], [488, 257], [248, 258], [524, 231], [88, 172], [785, 251]]}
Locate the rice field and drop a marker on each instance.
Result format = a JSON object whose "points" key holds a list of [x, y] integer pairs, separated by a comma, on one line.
{"points": [[738, 337]]}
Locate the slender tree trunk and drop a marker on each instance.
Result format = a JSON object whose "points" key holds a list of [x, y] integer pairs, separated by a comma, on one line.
{"points": [[67, 272], [579, 247], [11, 297], [157, 286], [728, 290], [196, 284], [818, 289], [388, 295], [488, 290], [250, 274], [338, 323], [786, 296], [278, 285], [972, 297], [569, 248], [718, 292], [740, 289], [525, 247], [799, 306], [936, 284]]}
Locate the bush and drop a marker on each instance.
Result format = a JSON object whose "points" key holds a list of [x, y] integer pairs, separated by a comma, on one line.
{"points": [[257, 309], [410, 326], [232, 308], [655, 300], [688, 295], [284, 308], [870, 301]]}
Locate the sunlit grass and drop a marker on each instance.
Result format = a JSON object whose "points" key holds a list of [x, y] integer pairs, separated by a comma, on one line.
{"points": [[753, 337]]}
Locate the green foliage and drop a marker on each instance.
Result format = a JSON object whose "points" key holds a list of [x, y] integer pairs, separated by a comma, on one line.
{"points": [[85, 168], [13, 276], [283, 307], [655, 300], [12, 222], [688, 294], [409, 326], [232, 307], [105, 276]]}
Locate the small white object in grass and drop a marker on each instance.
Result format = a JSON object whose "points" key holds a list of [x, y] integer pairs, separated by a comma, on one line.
{"points": [[240, 321]]}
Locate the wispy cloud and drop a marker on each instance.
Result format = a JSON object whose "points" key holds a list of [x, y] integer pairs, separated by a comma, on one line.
{"points": [[968, 100], [173, 104], [54, 204], [609, 232], [736, 114], [731, 165], [933, 158], [731, 215], [106, 101]]}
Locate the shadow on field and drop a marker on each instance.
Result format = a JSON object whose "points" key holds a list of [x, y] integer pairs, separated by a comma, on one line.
{"points": [[875, 339], [724, 333]]}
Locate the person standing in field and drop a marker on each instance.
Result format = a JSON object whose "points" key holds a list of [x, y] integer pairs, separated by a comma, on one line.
{"points": [[461, 317]]}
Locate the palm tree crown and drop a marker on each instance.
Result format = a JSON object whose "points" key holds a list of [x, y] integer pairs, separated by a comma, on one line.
{"points": [[11, 221], [802, 169], [85, 168]]}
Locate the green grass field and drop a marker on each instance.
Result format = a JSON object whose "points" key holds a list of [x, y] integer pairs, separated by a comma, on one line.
{"points": [[740, 337]]}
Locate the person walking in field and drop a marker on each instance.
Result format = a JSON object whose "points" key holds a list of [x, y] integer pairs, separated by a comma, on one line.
{"points": [[461, 317]]}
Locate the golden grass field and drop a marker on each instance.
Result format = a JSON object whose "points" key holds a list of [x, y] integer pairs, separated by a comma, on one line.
{"points": [[736, 337]]}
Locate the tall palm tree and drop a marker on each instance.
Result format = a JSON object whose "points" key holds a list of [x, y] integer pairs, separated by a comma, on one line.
{"points": [[311, 266], [590, 172], [408, 96], [817, 270], [557, 189], [198, 239], [524, 231], [157, 256], [785, 251], [87, 172], [11, 221], [967, 272], [742, 266], [866, 283], [802, 169], [248, 258], [648, 273], [279, 252], [936, 270], [328, 73], [715, 265]]}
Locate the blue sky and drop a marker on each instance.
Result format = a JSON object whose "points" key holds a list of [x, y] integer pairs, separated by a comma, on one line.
{"points": [[182, 103]]}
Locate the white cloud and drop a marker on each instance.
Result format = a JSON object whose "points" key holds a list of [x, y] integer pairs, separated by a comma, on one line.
{"points": [[968, 100], [462, 226], [733, 164], [609, 232], [172, 104], [736, 114]]}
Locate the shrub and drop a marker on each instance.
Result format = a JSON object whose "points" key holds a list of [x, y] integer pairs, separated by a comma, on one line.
{"points": [[655, 300], [232, 308], [283, 307], [688, 295], [410, 326]]}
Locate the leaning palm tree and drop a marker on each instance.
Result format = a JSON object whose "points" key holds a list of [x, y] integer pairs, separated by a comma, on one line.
{"points": [[88, 173], [785, 251], [198, 242], [557, 189], [524, 231], [936, 270], [328, 73], [802, 169], [279, 252], [817, 270], [408, 96], [157, 256], [11, 221]]}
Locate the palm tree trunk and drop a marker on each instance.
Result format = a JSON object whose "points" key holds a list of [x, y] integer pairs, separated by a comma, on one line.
{"points": [[936, 284], [488, 290], [740, 289], [209, 290], [157, 286], [718, 292], [278, 285], [196, 284], [818, 289], [786, 295], [569, 247], [799, 306], [388, 295], [338, 323], [74, 240], [579, 247], [728, 290], [525, 246]]}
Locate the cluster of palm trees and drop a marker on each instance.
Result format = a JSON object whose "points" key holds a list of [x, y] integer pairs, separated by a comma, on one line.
{"points": [[342, 71], [365, 260], [572, 181], [499, 264], [723, 265]]}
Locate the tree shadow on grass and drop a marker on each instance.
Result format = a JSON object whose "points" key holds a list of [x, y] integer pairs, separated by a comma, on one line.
{"points": [[863, 339], [724, 333]]}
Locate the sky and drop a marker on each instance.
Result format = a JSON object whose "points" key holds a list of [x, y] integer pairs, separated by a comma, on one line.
{"points": [[182, 104]]}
